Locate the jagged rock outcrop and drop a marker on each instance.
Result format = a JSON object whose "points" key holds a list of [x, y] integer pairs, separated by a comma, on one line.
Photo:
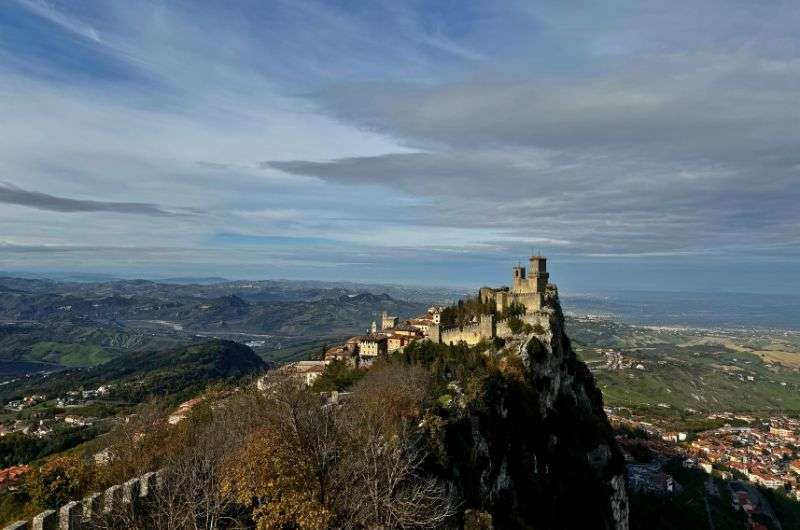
{"points": [[535, 449]]}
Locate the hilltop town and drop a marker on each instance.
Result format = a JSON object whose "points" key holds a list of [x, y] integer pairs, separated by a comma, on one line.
{"points": [[503, 312]]}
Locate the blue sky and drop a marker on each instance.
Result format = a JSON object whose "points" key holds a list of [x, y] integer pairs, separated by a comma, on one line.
{"points": [[641, 144]]}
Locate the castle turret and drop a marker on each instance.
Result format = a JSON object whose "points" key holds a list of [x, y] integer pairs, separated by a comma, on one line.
{"points": [[486, 326], [538, 275], [519, 278]]}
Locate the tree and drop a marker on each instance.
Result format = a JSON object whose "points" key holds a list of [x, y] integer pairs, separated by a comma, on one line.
{"points": [[59, 480], [357, 464], [195, 456], [284, 472], [382, 467], [338, 375]]}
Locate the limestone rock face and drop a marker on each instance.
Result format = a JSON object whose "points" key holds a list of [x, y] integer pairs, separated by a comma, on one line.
{"points": [[537, 451]]}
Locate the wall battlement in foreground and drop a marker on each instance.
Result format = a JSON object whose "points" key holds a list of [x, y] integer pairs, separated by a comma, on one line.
{"points": [[76, 515]]}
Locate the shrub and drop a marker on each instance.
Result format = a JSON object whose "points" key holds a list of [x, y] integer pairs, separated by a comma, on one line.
{"points": [[59, 480], [515, 325], [338, 375]]}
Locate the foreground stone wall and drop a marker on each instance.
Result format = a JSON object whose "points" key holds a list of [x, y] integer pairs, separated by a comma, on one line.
{"points": [[78, 515]]}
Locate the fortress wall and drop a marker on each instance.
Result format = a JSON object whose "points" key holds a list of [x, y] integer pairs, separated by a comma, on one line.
{"points": [[531, 301], [78, 514], [471, 334], [538, 317], [503, 331]]}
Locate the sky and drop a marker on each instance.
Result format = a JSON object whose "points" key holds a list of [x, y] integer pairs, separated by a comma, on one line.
{"points": [[638, 144]]}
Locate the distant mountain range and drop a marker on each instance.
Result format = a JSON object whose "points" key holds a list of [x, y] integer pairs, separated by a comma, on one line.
{"points": [[88, 323]]}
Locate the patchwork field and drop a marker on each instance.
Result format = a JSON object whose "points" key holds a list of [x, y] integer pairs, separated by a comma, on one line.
{"points": [[682, 370]]}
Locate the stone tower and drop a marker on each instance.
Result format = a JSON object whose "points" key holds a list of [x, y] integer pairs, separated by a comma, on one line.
{"points": [[388, 321], [519, 278], [537, 274]]}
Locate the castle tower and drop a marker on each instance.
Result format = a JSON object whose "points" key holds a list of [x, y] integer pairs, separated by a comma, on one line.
{"points": [[374, 327], [486, 327], [519, 277], [538, 275]]}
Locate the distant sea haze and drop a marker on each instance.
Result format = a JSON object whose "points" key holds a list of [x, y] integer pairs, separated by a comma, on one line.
{"points": [[698, 310]]}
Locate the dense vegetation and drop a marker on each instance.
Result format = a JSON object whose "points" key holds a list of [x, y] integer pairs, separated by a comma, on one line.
{"points": [[466, 310], [18, 448]]}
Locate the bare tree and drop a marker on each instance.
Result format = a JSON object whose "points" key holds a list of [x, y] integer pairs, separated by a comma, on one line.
{"points": [[286, 458], [384, 486], [382, 476], [189, 495]]}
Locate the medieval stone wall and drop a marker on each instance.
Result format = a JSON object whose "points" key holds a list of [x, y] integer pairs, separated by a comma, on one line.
{"points": [[80, 514], [471, 334]]}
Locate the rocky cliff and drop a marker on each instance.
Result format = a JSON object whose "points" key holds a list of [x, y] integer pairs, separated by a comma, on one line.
{"points": [[532, 445]]}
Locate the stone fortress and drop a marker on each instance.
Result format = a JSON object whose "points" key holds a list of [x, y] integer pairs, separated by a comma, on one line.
{"points": [[529, 289]]}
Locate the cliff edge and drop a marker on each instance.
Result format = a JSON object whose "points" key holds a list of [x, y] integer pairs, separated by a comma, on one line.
{"points": [[532, 446]]}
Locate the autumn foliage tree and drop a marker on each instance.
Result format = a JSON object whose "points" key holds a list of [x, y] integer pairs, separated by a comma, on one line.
{"points": [[59, 480], [356, 464]]}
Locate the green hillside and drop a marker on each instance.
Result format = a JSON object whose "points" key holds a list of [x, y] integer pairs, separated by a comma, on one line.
{"points": [[180, 371]]}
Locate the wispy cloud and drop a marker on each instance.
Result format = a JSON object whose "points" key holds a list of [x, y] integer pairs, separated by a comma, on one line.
{"points": [[68, 23], [11, 194]]}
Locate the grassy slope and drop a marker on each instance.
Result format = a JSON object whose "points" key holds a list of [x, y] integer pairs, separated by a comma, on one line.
{"points": [[66, 354]]}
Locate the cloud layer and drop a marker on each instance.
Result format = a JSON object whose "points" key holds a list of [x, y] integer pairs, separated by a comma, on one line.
{"points": [[355, 137]]}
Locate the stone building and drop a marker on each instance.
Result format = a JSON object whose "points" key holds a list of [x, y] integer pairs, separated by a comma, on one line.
{"points": [[527, 290], [388, 321], [372, 345]]}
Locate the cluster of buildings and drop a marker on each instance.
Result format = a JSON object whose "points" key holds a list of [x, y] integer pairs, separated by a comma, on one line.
{"points": [[650, 478], [362, 350], [80, 398], [43, 427], [43, 423], [764, 452], [528, 291], [72, 398], [767, 454], [17, 405]]}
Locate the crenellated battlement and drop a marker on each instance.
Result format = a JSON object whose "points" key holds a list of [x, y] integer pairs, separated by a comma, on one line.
{"points": [[470, 333], [76, 515]]}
